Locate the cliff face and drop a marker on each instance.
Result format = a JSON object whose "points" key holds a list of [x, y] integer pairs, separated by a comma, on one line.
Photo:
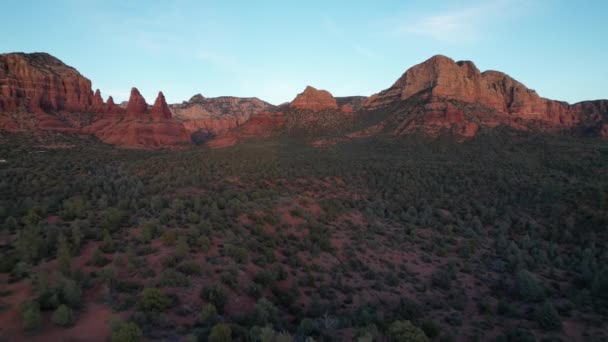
{"points": [[39, 82], [39, 92], [448, 91]]}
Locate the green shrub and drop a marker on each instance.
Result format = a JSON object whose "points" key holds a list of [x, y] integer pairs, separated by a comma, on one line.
{"points": [[172, 278], [405, 331], [70, 293], [98, 259], [126, 332], [547, 316], [430, 329], [516, 335], [220, 333], [169, 238], [208, 313], [239, 254], [63, 316], [265, 312], [216, 295], [153, 300], [189, 268], [528, 287], [31, 316]]}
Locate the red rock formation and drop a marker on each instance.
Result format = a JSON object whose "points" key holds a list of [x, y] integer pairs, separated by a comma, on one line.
{"points": [[38, 91], [137, 107], [136, 129], [112, 108], [97, 106], [138, 133], [262, 125], [439, 81], [604, 131], [314, 100], [347, 109], [39, 82], [217, 115], [139, 128], [160, 110], [7, 124]]}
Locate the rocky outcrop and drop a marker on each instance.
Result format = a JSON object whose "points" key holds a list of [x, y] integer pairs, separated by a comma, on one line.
{"points": [[137, 106], [354, 103], [441, 85], [111, 108], [160, 110], [216, 115], [316, 112], [39, 82], [97, 105], [260, 126], [314, 100], [138, 127]]}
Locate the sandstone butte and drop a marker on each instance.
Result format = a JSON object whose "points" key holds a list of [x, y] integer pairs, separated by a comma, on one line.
{"points": [[314, 100], [445, 91]]}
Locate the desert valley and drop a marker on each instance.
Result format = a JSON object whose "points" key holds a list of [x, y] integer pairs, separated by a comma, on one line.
{"points": [[454, 205]]}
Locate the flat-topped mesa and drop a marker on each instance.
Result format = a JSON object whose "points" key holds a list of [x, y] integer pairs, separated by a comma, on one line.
{"points": [[160, 110], [314, 100], [137, 106]]}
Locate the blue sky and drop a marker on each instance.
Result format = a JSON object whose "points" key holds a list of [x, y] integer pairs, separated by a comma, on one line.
{"points": [[273, 49]]}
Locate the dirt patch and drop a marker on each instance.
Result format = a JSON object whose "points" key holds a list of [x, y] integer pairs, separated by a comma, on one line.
{"points": [[10, 316]]}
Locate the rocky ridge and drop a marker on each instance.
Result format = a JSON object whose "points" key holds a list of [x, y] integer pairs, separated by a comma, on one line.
{"points": [[438, 96]]}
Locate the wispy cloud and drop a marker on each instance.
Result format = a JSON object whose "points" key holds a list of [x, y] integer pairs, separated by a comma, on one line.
{"points": [[461, 24]]}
